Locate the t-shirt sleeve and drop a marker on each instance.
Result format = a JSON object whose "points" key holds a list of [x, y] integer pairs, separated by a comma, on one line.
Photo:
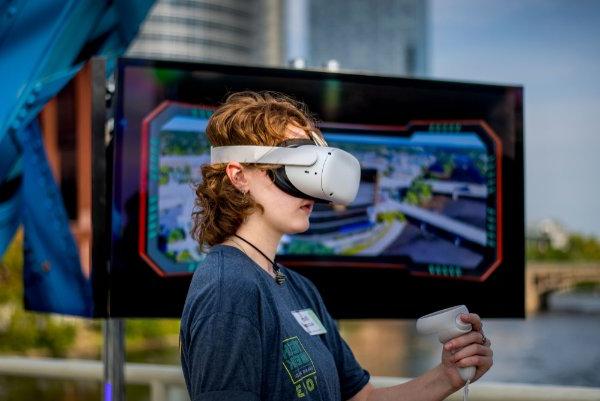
{"points": [[222, 359], [351, 375]]}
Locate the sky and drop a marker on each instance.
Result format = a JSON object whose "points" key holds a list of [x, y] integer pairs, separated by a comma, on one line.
{"points": [[552, 49]]}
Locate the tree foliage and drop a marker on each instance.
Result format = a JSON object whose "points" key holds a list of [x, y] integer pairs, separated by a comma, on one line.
{"points": [[579, 248], [22, 331]]}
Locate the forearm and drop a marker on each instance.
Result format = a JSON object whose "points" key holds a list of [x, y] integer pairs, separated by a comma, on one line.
{"points": [[433, 385], [470, 349]]}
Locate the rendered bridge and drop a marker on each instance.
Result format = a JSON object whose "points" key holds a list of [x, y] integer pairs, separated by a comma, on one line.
{"points": [[457, 231]]}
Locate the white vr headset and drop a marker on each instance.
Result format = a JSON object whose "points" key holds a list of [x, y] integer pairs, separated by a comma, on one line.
{"points": [[308, 171]]}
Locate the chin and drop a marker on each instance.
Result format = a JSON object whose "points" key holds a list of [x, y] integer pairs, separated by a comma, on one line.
{"points": [[298, 228]]}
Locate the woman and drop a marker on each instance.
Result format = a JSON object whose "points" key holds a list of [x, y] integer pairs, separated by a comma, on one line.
{"points": [[244, 332]]}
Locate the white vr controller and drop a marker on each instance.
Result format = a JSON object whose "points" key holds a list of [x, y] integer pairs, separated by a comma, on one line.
{"points": [[448, 325]]}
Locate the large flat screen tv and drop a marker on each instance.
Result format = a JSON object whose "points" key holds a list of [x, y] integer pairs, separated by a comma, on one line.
{"points": [[439, 216]]}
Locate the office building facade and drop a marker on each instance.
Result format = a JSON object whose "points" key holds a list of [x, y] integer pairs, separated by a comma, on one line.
{"points": [[383, 36]]}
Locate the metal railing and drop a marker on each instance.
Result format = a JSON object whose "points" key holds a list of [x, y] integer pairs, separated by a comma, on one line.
{"points": [[167, 384]]}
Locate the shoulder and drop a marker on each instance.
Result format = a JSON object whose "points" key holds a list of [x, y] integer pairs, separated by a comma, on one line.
{"points": [[226, 269], [225, 282]]}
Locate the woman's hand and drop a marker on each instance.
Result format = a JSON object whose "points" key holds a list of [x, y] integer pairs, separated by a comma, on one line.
{"points": [[470, 349]]}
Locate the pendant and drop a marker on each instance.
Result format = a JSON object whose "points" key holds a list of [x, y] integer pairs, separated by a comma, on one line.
{"points": [[279, 276]]}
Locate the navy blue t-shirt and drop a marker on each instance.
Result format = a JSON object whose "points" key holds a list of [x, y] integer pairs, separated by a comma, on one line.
{"points": [[240, 340]]}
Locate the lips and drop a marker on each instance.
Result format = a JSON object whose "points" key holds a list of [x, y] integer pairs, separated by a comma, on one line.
{"points": [[307, 206]]}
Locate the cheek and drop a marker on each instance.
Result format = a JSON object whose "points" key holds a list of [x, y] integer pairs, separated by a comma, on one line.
{"points": [[275, 197], [273, 201], [279, 206]]}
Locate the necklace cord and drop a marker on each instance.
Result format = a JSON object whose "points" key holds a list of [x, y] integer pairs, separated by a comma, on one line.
{"points": [[279, 276]]}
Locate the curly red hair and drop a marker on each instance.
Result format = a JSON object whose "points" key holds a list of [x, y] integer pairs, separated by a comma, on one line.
{"points": [[246, 118]]}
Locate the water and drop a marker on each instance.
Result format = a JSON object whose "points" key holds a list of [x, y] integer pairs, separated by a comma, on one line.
{"points": [[550, 348], [561, 347]]}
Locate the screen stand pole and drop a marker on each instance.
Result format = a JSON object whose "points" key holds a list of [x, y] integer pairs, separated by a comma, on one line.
{"points": [[114, 360]]}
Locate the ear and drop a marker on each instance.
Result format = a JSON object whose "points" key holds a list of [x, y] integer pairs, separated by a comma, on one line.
{"points": [[235, 172]]}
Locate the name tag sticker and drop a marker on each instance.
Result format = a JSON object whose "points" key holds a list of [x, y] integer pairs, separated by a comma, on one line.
{"points": [[309, 321]]}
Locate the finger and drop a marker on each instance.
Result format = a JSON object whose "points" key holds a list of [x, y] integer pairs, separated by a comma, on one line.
{"points": [[481, 369], [473, 349], [472, 318], [485, 341], [475, 360], [464, 340]]}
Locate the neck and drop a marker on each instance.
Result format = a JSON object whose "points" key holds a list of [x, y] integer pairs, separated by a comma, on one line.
{"points": [[261, 237]]}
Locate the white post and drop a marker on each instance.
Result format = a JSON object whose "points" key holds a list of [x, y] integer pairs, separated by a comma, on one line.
{"points": [[158, 391]]}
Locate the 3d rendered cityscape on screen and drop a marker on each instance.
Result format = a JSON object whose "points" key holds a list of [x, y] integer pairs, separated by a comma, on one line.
{"points": [[423, 196]]}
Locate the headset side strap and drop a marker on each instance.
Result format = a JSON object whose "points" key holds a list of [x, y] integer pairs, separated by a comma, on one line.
{"points": [[301, 156]]}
